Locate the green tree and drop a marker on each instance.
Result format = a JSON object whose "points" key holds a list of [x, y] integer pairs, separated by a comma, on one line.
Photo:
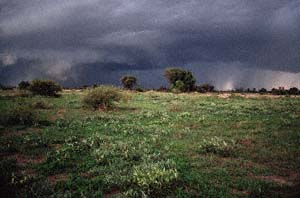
{"points": [[186, 77]]}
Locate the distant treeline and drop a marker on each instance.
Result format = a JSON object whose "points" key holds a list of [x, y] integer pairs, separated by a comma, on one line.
{"points": [[180, 81]]}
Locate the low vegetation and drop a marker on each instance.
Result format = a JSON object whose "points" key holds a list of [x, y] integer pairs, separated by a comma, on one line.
{"points": [[157, 145], [19, 115], [103, 97], [45, 87], [217, 146]]}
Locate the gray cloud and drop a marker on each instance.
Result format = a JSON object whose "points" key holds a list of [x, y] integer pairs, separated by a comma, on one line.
{"points": [[58, 37]]}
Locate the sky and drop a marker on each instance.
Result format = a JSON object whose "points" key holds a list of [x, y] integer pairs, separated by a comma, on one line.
{"points": [[228, 43]]}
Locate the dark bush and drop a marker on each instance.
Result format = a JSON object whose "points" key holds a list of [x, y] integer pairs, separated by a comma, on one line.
{"points": [[263, 90], [139, 89], [103, 97], [24, 85], [128, 81], [3, 87], [175, 75], [45, 87], [163, 89], [279, 91], [85, 86], [239, 90], [205, 88], [248, 90], [294, 91]]}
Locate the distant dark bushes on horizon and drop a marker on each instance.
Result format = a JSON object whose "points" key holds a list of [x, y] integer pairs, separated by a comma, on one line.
{"points": [[180, 81], [200, 89]]}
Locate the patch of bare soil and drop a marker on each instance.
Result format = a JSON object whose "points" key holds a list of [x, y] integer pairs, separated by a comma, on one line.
{"points": [[175, 108], [59, 115], [224, 95], [114, 193], [56, 178], [86, 174], [290, 184], [240, 193], [276, 179], [71, 91], [30, 172], [293, 192], [22, 132], [56, 146], [23, 160], [292, 180], [251, 95], [245, 142], [256, 95], [61, 112]]}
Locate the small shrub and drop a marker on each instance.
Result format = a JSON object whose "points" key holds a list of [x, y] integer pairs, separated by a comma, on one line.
{"points": [[20, 115], [41, 105], [128, 81], [217, 146], [154, 176], [103, 97], [45, 87], [24, 85]]}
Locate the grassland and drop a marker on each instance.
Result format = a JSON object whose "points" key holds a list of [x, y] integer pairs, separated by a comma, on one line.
{"points": [[155, 145]]}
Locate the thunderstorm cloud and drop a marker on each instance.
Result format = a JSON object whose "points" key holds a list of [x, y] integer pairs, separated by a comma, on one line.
{"points": [[232, 43]]}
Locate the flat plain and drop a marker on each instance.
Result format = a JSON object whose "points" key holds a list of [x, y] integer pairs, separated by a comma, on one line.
{"points": [[153, 145]]}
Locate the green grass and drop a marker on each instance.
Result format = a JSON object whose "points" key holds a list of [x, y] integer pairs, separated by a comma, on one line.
{"points": [[155, 145]]}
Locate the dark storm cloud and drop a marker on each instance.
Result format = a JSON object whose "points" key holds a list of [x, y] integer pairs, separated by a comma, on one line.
{"points": [[145, 36]]}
